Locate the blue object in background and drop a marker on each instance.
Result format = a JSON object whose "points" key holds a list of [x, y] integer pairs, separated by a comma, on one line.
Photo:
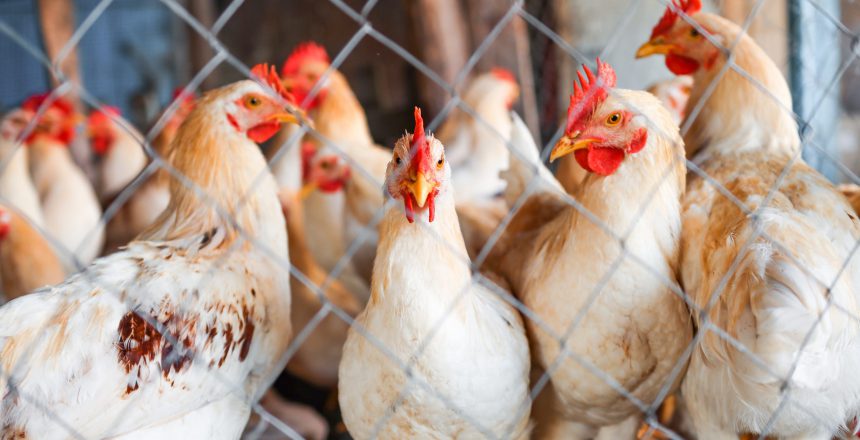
{"points": [[126, 59]]}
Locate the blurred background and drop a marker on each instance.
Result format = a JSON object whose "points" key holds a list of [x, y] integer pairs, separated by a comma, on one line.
{"points": [[134, 53]]}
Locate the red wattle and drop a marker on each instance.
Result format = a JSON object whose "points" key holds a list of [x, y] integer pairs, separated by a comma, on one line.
{"points": [[331, 186], [681, 65], [407, 206], [101, 145], [262, 133], [600, 160], [431, 204]]}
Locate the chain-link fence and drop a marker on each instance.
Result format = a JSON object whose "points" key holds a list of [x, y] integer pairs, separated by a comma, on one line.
{"points": [[561, 37]]}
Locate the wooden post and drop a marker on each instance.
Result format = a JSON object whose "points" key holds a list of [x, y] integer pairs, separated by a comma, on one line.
{"points": [[199, 49], [440, 37], [57, 19], [511, 49]]}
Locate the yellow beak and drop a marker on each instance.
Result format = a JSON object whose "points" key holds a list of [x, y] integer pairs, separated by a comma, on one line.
{"points": [[420, 188], [567, 145], [306, 190], [654, 47], [285, 117]]}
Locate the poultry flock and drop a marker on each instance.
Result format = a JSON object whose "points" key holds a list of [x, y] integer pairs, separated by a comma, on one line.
{"points": [[622, 297]]}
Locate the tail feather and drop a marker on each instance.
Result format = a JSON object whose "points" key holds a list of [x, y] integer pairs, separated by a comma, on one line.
{"points": [[525, 164]]}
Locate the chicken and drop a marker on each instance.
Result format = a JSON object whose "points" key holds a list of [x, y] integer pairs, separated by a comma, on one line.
{"points": [[477, 358], [674, 94], [118, 145], [16, 186], [69, 204], [175, 335], [27, 260], [316, 360], [152, 196], [571, 271], [339, 218], [476, 148], [770, 266]]}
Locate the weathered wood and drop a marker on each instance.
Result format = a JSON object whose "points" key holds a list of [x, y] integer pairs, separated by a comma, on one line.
{"points": [[198, 48], [483, 16], [442, 43], [57, 18]]}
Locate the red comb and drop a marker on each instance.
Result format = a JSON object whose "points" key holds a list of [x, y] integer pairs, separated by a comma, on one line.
{"points": [[5, 223], [666, 22], [269, 75], [34, 102], [103, 115], [593, 91], [420, 146], [503, 74], [307, 51]]}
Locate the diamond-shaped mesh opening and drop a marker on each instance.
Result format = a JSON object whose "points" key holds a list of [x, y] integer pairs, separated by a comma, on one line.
{"points": [[577, 382]]}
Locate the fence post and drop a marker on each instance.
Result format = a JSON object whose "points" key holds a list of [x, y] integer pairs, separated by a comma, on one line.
{"points": [[814, 61]]}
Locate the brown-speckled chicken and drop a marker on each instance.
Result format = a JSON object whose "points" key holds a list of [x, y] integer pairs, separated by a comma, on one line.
{"points": [[175, 335], [569, 270], [772, 264]]}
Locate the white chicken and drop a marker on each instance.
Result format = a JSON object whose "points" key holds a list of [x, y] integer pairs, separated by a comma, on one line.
{"points": [[16, 187], [611, 303], [71, 210], [477, 148], [173, 336], [768, 248], [118, 145], [476, 355]]}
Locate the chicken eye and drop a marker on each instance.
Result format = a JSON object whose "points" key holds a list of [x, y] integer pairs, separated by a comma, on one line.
{"points": [[397, 160], [253, 102], [694, 33], [613, 119], [440, 163]]}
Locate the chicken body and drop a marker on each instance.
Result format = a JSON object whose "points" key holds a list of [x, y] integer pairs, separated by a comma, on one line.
{"points": [[152, 196], [477, 149], [71, 209], [340, 119], [474, 351], [120, 148], [767, 273], [173, 336], [27, 260], [16, 186], [623, 319]]}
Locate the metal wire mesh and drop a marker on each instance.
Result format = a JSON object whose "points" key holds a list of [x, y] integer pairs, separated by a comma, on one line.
{"points": [[366, 29]]}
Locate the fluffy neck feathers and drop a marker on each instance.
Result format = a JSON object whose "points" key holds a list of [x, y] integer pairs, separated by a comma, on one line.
{"points": [[420, 256], [232, 173], [738, 116]]}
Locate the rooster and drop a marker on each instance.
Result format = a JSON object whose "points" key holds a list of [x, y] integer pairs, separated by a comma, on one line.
{"points": [[119, 149], [27, 260], [16, 186], [422, 285], [339, 217], [568, 269], [477, 148], [771, 266], [69, 204], [151, 197], [174, 335]]}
